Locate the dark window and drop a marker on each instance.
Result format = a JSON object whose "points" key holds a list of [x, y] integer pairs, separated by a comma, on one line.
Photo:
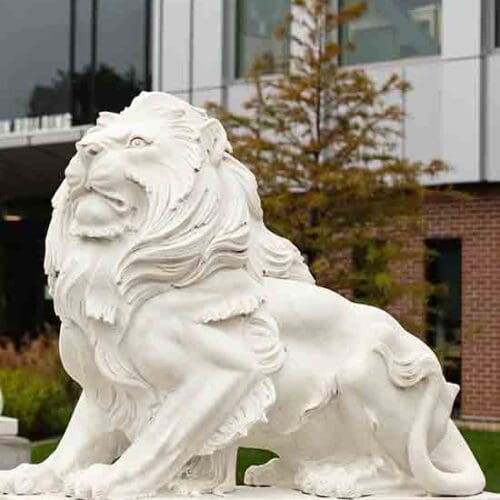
{"points": [[444, 308], [25, 307], [392, 30], [497, 23], [256, 22], [112, 61], [34, 52], [72, 56]]}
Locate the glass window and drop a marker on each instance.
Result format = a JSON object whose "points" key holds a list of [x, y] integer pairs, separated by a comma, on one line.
{"points": [[34, 57], [392, 29], [109, 69], [497, 23], [444, 307], [24, 309], [256, 21], [70, 56]]}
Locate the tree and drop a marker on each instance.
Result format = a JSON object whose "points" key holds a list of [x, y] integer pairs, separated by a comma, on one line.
{"points": [[322, 140]]}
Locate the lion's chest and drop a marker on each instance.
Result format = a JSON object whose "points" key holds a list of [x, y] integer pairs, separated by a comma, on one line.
{"points": [[110, 380]]}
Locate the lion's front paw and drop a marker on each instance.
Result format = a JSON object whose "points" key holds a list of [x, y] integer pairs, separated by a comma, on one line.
{"points": [[350, 480], [29, 479], [94, 482], [6, 481]]}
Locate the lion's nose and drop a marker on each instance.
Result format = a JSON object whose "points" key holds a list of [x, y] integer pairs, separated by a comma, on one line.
{"points": [[90, 148]]}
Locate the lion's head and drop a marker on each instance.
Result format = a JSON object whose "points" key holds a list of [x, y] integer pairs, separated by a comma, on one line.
{"points": [[158, 180]]}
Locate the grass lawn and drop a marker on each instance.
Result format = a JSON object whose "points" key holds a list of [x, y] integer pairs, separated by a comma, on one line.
{"points": [[486, 447], [40, 450], [484, 444]]}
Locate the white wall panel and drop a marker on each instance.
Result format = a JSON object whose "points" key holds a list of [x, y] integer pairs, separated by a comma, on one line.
{"points": [[237, 94], [461, 28], [423, 110], [175, 45], [493, 118], [460, 119], [207, 43]]}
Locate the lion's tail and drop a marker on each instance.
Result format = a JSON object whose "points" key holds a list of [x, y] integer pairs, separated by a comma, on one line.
{"points": [[469, 479]]}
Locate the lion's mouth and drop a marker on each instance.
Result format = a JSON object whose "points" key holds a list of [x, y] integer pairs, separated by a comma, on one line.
{"points": [[114, 200], [98, 213]]}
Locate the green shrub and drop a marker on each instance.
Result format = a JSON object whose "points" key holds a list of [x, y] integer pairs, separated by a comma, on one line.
{"points": [[40, 402], [36, 389]]}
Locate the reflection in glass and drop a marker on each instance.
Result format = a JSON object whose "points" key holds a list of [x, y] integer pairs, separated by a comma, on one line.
{"points": [[118, 66], [34, 40], [76, 56], [256, 22], [392, 29]]}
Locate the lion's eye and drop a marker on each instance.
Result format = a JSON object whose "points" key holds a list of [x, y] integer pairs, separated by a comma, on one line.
{"points": [[137, 142]]}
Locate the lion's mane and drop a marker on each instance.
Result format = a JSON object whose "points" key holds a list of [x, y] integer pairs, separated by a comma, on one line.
{"points": [[198, 220]]}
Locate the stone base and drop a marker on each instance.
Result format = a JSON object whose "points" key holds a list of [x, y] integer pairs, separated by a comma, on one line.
{"points": [[14, 450], [247, 493], [8, 426]]}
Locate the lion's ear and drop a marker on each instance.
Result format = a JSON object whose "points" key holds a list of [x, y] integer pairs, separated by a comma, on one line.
{"points": [[214, 140]]}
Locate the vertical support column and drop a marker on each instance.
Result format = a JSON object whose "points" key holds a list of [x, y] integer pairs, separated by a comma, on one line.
{"points": [[156, 39], [191, 51], [207, 50], [148, 22], [172, 46], [461, 89], [72, 59], [93, 60]]}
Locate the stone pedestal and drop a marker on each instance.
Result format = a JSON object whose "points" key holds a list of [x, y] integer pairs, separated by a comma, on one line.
{"points": [[8, 426], [246, 493], [14, 450]]}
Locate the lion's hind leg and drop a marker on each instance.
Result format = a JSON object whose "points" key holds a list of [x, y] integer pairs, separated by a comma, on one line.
{"points": [[276, 472]]}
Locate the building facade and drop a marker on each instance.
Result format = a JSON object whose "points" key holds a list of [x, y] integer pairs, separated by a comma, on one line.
{"points": [[67, 59]]}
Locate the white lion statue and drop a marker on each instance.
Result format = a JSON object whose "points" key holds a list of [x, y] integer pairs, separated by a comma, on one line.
{"points": [[194, 330]]}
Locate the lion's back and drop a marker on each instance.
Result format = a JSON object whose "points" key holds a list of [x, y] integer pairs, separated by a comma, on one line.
{"points": [[304, 309], [319, 318]]}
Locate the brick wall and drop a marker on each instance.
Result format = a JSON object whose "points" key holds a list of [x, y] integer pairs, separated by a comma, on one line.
{"points": [[476, 221], [410, 309]]}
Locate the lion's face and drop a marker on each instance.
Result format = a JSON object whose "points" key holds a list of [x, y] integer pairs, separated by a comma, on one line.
{"points": [[104, 177], [158, 183]]}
